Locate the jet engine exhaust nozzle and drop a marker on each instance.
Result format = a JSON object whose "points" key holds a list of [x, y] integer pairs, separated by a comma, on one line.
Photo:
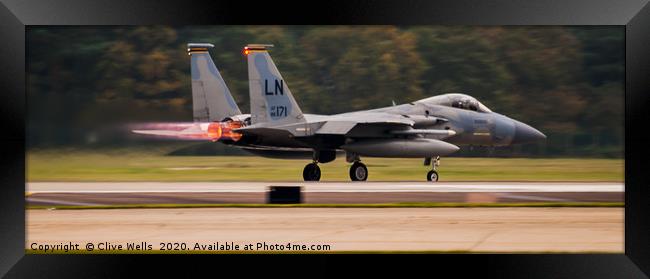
{"points": [[224, 130]]}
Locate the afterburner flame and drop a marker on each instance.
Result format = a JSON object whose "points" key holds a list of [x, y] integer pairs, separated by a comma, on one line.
{"points": [[224, 130], [228, 130], [213, 131]]}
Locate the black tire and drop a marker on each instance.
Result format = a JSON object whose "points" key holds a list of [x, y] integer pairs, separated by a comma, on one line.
{"points": [[311, 172], [358, 172], [432, 176]]}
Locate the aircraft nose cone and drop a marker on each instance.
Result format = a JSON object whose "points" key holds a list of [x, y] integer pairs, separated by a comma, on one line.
{"points": [[526, 134]]}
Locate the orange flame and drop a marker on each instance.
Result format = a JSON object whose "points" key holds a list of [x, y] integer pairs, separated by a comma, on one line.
{"points": [[214, 131], [224, 130]]}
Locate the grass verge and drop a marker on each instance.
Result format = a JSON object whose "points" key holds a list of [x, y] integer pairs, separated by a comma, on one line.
{"points": [[131, 165]]}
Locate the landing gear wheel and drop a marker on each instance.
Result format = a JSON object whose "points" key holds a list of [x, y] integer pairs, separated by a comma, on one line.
{"points": [[358, 172], [311, 172], [432, 176]]}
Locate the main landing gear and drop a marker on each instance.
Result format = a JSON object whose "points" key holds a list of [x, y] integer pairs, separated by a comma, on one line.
{"points": [[358, 170], [432, 175], [311, 172]]}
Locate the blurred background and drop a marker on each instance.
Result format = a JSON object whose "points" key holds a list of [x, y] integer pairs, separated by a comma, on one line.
{"points": [[86, 83]]}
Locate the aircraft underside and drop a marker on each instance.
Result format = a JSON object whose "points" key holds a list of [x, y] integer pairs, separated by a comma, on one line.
{"points": [[313, 149]]}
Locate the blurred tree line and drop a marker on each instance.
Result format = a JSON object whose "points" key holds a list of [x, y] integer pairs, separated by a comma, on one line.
{"points": [[83, 82]]}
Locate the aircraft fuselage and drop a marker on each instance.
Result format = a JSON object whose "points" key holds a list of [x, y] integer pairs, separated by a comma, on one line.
{"points": [[471, 128]]}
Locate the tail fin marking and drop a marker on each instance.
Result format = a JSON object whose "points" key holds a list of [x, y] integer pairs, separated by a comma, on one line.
{"points": [[271, 98]]}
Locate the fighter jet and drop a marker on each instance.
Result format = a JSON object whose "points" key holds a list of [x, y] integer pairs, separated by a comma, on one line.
{"points": [[276, 126]]}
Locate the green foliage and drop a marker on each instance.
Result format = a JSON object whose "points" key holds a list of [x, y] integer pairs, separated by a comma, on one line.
{"points": [[567, 81]]}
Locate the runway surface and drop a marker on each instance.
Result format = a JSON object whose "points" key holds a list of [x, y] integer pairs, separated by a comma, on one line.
{"points": [[344, 229], [99, 193]]}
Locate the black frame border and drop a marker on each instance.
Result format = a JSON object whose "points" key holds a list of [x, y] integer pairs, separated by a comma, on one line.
{"points": [[15, 15]]}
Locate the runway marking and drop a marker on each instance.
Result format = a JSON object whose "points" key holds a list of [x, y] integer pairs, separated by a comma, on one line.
{"points": [[533, 198], [59, 202], [327, 187]]}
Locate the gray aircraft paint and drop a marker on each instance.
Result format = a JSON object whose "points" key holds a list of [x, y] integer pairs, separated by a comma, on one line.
{"points": [[503, 132], [413, 129], [401, 148], [271, 98], [211, 98]]}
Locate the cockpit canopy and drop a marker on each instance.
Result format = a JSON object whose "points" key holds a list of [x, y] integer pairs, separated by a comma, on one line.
{"points": [[457, 100]]}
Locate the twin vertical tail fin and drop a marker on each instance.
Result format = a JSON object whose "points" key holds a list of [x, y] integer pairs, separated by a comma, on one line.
{"points": [[270, 97], [211, 98]]}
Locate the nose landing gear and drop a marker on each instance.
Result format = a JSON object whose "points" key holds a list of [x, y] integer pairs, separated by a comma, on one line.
{"points": [[432, 175]]}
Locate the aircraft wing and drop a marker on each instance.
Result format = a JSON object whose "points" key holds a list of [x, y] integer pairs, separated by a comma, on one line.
{"points": [[350, 124], [397, 124], [342, 124]]}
